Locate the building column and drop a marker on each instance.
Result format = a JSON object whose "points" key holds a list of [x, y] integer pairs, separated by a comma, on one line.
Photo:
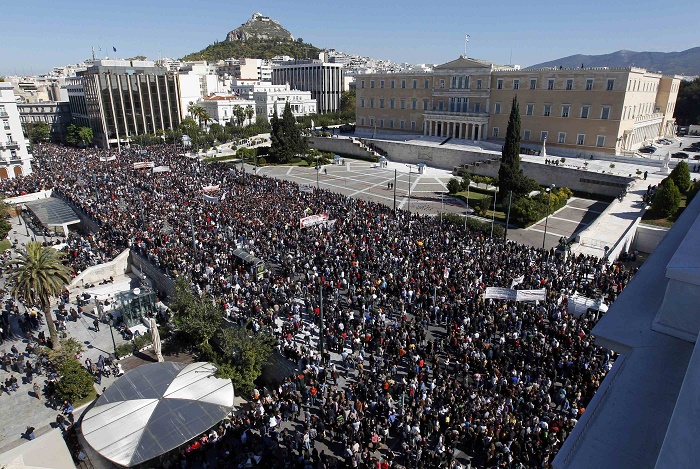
{"points": [[486, 131], [471, 131], [478, 137], [425, 127], [459, 130]]}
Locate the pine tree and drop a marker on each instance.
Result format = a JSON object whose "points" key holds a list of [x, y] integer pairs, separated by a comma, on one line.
{"points": [[510, 174]]}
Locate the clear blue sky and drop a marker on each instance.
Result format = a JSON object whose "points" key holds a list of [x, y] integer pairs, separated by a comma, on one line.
{"points": [[41, 34]]}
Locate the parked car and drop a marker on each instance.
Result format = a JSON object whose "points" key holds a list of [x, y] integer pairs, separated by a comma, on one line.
{"points": [[680, 154], [647, 149], [664, 141]]}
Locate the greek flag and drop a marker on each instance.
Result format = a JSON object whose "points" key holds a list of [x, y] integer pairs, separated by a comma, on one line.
{"points": [[467, 38]]}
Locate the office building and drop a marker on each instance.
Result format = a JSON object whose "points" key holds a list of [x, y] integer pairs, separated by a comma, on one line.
{"points": [[323, 80], [15, 159], [579, 111], [125, 98]]}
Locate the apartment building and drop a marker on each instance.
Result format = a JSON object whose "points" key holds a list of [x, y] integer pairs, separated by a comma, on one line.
{"points": [[56, 114], [579, 111], [15, 159]]}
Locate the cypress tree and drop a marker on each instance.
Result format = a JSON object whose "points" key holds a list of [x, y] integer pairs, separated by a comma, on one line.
{"points": [[286, 140], [510, 174]]}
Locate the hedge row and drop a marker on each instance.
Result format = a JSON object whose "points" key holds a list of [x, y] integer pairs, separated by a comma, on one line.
{"points": [[527, 210]]}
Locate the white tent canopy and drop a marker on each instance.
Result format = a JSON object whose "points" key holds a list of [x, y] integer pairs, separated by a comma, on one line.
{"points": [[156, 408]]}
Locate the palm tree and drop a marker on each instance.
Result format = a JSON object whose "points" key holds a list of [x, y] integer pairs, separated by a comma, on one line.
{"points": [[239, 113], [249, 112], [37, 275]]}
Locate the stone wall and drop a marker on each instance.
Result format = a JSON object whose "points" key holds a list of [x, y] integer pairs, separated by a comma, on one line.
{"points": [[486, 163], [93, 274], [341, 145]]}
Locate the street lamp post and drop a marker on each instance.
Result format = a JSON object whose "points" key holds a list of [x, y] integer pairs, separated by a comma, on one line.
{"points": [[111, 331], [549, 206], [320, 327], [409, 191]]}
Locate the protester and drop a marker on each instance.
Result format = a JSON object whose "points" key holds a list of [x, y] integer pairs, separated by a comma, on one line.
{"points": [[426, 360]]}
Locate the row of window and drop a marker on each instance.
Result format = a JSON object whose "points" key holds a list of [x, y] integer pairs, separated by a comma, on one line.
{"points": [[392, 83], [551, 84], [585, 111], [391, 123], [561, 137], [382, 103]]}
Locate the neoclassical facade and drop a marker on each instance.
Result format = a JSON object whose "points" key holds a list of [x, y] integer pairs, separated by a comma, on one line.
{"points": [[585, 110], [15, 159]]}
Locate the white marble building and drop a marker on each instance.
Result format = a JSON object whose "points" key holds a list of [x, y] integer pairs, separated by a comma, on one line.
{"points": [[267, 102], [15, 158], [222, 108]]}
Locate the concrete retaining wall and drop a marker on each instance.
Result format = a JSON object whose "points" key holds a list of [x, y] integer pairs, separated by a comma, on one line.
{"points": [[486, 163], [648, 237], [117, 266], [340, 145], [29, 197]]}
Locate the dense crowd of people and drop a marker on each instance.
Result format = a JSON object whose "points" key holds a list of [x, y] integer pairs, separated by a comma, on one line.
{"points": [[427, 366]]}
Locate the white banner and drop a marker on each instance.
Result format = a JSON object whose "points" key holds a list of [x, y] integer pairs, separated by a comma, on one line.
{"points": [[108, 158], [517, 281], [161, 169], [313, 220], [531, 295], [210, 188], [210, 198], [307, 189], [499, 293], [577, 305], [144, 164]]}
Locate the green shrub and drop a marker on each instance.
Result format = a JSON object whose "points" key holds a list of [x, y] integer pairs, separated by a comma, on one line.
{"points": [[453, 186], [142, 341], [681, 176], [694, 189], [76, 382], [667, 199], [125, 349], [527, 210]]}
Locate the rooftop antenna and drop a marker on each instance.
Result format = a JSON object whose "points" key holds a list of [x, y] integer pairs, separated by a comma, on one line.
{"points": [[510, 60], [466, 40], [93, 53]]}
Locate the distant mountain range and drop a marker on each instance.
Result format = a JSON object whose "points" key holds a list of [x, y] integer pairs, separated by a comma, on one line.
{"points": [[686, 62]]}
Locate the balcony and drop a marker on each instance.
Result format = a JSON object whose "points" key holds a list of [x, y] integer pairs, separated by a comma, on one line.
{"points": [[4, 114], [457, 114], [11, 145]]}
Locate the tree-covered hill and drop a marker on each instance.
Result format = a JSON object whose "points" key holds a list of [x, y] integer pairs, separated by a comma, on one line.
{"points": [[255, 48]]}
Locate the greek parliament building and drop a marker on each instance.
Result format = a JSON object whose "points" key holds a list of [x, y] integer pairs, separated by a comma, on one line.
{"points": [[579, 111], [119, 99]]}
